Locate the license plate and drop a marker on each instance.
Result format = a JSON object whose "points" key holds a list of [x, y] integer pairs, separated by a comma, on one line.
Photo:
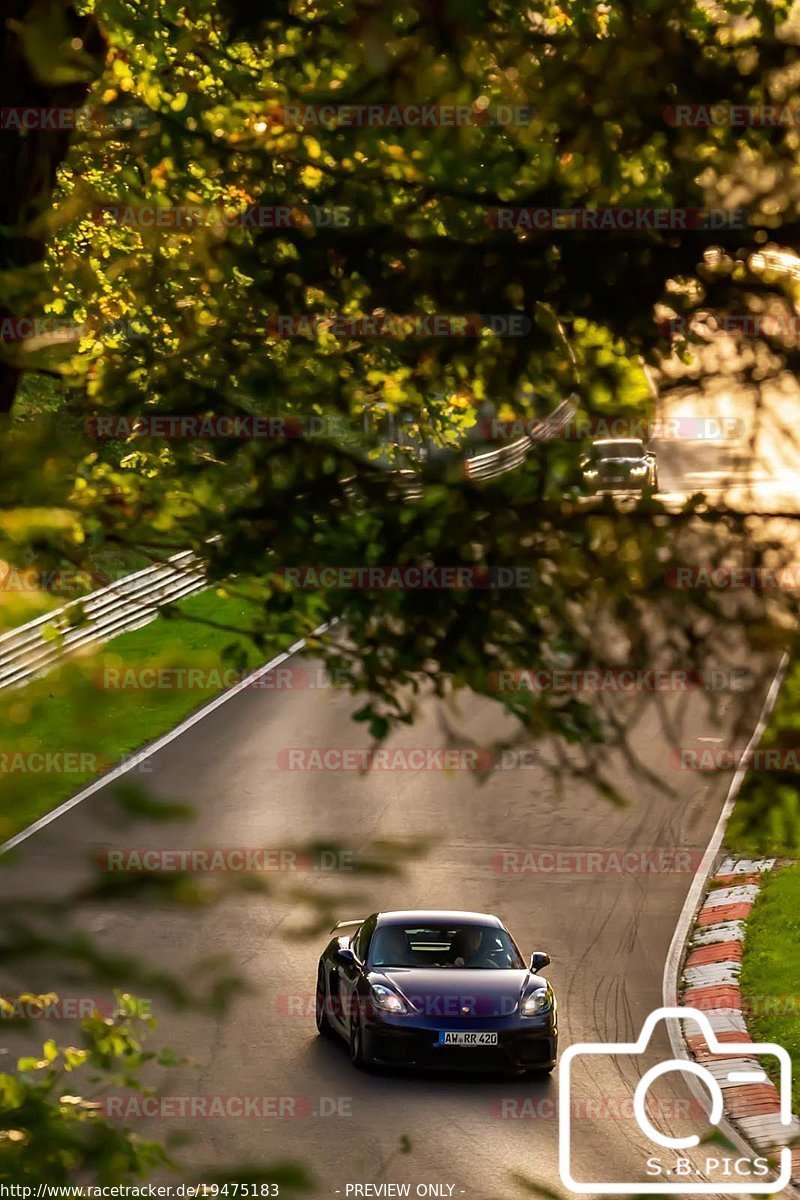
{"points": [[446, 1038]]}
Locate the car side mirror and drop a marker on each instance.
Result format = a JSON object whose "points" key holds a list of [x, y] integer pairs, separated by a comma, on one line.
{"points": [[539, 960], [346, 956]]}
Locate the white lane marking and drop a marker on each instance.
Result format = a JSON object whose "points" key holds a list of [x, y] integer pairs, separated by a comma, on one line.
{"points": [[158, 744]]}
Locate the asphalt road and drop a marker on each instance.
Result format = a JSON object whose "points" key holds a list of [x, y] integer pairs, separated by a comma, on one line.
{"points": [[608, 932]]}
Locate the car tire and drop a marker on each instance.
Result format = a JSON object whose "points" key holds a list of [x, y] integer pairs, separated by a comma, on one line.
{"points": [[540, 1072], [324, 1027], [357, 1056]]}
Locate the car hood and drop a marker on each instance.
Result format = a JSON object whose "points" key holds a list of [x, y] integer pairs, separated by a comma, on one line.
{"points": [[459, 992]]}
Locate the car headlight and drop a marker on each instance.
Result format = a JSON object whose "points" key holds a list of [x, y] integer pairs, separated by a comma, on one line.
{"points": [[388, 1000], [536, 1002], [590, 472], [639, 470]]}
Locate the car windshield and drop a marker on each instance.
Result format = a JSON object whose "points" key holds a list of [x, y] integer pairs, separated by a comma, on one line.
{"points": [[618, 450], [480, 947]]}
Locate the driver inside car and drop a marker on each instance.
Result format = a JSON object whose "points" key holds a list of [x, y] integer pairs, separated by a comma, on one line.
{"points": [[469, 949], [392, 948]]}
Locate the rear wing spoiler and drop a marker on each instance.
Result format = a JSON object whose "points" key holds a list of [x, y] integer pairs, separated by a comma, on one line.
{"points": [[341, 924]]}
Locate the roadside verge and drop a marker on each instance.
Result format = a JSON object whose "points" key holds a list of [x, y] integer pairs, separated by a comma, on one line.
{"points": [[93, 717], [703, 967]]}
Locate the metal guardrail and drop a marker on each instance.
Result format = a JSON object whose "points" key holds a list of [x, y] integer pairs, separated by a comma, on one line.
{"points": [[135, 600], [492, 463], [127, 604]]}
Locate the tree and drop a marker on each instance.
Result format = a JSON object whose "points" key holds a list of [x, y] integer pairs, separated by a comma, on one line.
{"points": [[211, 124], [49, 56], [210, 109]]}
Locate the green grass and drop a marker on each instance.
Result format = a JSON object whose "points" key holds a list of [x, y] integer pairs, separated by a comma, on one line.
{"points": [[771, 968], [766, 822], [72, 709], [22, 601], [766, 819]]}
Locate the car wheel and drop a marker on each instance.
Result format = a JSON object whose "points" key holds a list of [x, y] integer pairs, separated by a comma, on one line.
{"points": [[357, 1055], [540, 1072], [324, 1027]]}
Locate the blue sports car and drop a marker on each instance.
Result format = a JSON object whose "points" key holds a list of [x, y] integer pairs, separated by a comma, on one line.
{"points": [[436, 989]]}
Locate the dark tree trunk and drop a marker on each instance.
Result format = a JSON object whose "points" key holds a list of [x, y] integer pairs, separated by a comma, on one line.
{"points": [[29, 158]]}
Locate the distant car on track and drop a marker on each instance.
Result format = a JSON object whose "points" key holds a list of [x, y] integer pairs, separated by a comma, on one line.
{"points": [[619, 464], [436, 989]]}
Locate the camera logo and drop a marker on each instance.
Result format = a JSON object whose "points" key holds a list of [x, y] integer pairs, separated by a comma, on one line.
{"points": [[687, 1176]]}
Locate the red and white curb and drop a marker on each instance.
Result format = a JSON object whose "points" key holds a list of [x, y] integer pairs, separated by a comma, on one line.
{"points": [[711, 983]]}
